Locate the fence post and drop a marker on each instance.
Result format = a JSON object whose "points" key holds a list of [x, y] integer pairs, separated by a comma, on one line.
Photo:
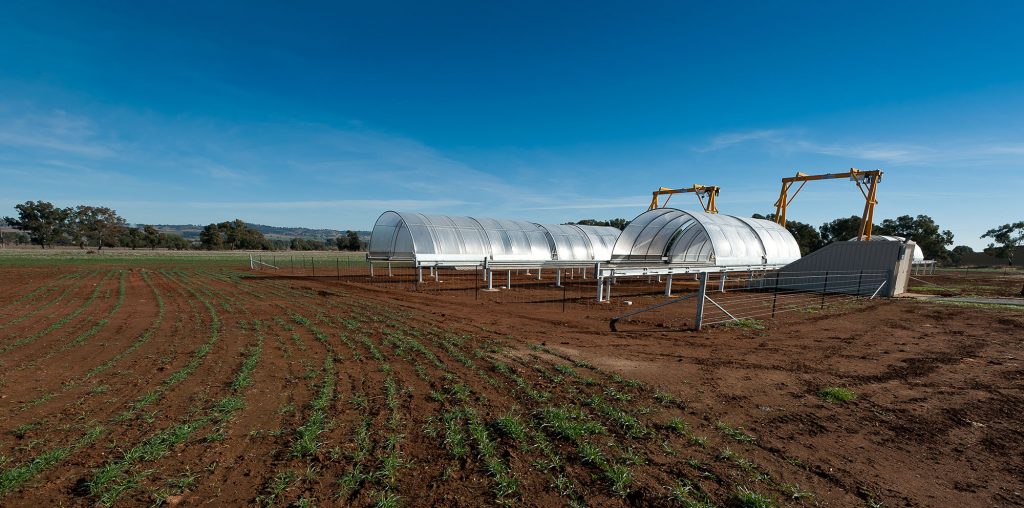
{"points": [[775, 295], [824, 289], [698, 320]]}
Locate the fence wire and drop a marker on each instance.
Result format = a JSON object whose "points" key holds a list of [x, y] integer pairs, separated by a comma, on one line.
{"points": [[774, 293]]}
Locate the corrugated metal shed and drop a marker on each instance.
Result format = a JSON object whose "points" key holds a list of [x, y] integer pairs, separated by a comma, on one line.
{"points": [[852, 257], [918, 253]]}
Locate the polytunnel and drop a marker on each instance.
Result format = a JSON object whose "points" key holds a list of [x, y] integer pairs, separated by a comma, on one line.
{"points": [[455, 240], [671, 236]]}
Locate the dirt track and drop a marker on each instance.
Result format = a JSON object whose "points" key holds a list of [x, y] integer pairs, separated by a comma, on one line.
{"points": [[203, 387]]}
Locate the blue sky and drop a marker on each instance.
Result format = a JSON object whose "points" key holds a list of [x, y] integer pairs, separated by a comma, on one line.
{"points": [[327, 114]]}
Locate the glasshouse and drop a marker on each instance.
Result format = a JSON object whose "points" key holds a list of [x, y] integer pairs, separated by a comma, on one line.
{"points": [[698, 239], [454, 240]]}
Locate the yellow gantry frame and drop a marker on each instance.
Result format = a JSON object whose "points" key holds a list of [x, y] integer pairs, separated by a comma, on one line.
{"points": [[701, 191], [867, 182]]}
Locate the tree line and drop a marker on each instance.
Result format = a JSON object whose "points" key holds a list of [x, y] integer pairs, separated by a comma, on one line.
{"points": [[41, 223], [84, 226]]}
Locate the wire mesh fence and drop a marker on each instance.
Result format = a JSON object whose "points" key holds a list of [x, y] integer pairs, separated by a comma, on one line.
{"points": [[728, 297], [770, 294]]}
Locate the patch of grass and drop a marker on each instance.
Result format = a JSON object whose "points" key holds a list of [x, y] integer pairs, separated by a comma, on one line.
{"points": [[837, 395], [747, 498], [689, 495], [619, 478], [307, 437], [752, 324], [510, 425], [677, 425], [734, 433], [569, 422], [21, 430], [664, 398]]}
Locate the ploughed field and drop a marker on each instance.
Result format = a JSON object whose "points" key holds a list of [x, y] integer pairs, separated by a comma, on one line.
{"points": [[207, 384]]}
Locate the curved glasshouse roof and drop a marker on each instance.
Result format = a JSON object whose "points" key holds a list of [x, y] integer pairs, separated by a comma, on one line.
{"points": [[455, 239], [668, 235]]}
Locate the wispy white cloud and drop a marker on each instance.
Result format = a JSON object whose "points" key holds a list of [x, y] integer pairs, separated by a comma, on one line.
{"points": [[54, 131], [729, 139], [795, 141]]}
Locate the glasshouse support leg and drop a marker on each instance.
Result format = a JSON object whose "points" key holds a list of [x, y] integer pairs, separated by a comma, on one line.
{"points": [[701, 293], [668, 285], [600, 290], [389, 268], [608, 290], [509, 286], [538, 274], [558, 278], [371, 268], [437, 275], [721, 282], [419, 275]]}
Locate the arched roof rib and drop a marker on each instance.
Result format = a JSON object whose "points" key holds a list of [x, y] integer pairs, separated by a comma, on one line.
{"points": [[455, 239], [668, 235]]}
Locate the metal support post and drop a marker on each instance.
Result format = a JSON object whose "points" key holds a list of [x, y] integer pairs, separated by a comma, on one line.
{"points": [[698, 320], [558, 278], [437, 275], [419, 275], [389, 268], [775, 295], [721, 282], [608, 290], [371, 268], [824, 290], [668, 285], [509, 286], [538, 273]]}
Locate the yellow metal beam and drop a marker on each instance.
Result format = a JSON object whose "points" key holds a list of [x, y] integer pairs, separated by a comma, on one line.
{"points": [[702, 191], [867, 183]]}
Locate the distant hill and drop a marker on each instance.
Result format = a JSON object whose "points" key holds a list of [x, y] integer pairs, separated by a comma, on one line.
{"points": [[191, 231]]}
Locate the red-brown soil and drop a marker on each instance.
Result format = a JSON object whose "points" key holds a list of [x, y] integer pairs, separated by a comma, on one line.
{"points": [[199, 385]]}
